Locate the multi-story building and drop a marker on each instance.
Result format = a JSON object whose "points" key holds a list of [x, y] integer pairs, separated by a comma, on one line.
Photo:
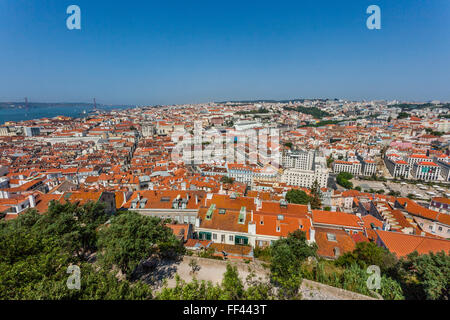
{"points": [[353, 167], [235, 220], [444, 164], [440, 205], [303, 175], [148, 130], [178, 206], [32, 131], [240, 173], [369, 167], [416, 158], [397, 168], [305, 178], [426, 170], [302, 160]]}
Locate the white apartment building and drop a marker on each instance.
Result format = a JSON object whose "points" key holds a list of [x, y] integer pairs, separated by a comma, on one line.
{"points": [[240, 173], [444, 164], [416, 158], [397, 168], [303, 168], [305, 178], [353, 167], [428, 171], [298, 159], [369, 167]]}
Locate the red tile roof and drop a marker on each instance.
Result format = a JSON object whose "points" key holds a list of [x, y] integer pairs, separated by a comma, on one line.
{"points": [[336, 218], [403, 244]]}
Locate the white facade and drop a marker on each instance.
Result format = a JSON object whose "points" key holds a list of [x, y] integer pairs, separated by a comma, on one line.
{"points": [[353, 167], [426, 171]]}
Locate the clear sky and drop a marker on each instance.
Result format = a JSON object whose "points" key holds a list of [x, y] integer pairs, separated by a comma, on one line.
{"points": [[189, 51]]}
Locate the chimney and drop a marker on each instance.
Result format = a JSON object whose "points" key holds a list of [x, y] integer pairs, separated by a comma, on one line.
{"points": [[32, 201], [336, 252], [312, 235], [252, 228]]}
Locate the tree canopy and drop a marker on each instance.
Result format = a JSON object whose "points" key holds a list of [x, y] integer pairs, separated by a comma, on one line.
{"points": [[132, 238], [37, 249], [287, 256], [297, 196]]}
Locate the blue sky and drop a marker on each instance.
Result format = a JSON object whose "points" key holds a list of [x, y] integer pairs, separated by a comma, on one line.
{"points": [[162, 52]]}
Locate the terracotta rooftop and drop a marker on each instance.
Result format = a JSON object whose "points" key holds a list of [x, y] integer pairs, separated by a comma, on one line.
{"points": [[403, 244]]}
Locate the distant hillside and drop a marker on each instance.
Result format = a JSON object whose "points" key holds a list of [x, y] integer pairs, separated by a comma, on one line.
{"points": [[269, 101], [44, 104]]}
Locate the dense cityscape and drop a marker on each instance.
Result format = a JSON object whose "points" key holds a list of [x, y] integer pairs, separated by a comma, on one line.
{"points": [[224, 159], [353, 184]]}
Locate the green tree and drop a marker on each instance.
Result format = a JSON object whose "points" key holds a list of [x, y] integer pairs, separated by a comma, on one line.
{"points": [[297, 196], [343, 178], [314, 199], [367, 254], [74, 225], [194, 290], [288, 255], [226, 180], [232, 284], [426, 276], [34, 262], [403, 115], [132, 238], [330, 160]]}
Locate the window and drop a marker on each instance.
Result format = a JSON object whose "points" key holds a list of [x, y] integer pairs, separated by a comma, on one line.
{"points": [[231, 238], [331, 237], [440, 228], [261, 222], [214, 236], [278, 229], [222, 239]]}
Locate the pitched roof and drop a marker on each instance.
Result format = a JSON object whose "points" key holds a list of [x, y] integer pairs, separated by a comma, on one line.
{"points": [[417, 210], [403, 244], [336, 218], [326, 245], [270, 225]]}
